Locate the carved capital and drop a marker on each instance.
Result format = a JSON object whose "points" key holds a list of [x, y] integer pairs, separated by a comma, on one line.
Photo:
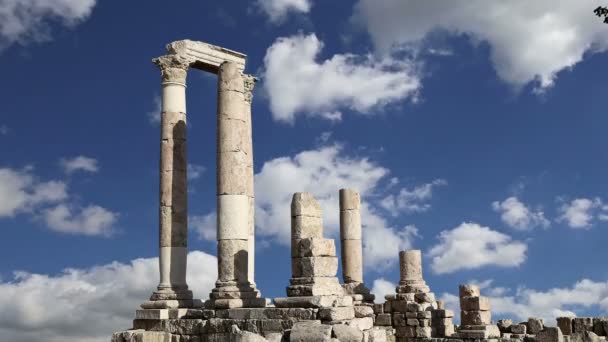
{"points": [[249, 81], [173, 68]]}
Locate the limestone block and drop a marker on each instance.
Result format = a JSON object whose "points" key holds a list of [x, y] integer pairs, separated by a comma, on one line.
{"points": [[410, 297], [383, 319], [232, 260], [350, 225], [487, 331], [319, 288], [424, 314], [233, 136], [399, 319], [363, 323], [388, 307], [518, 329], [336, 313], [157, 314], [378, 308], [534, 325], [417, 307], [582, 324], [377, 335], [238, 303], [446, 330], [475, 317], [364, 311], [411, 315], [345, 333], [274, 337], [234, 174], [349, 199], [468, 290], [141, 336], [233, 217], [412, 322], [173, 126], [310, 332], [358, 291], [304, 203], [475, 303], [427, 297], [314, 266], [565, 325], [423, 332], [410, 265], [442, 313], [313, 247], [399, 305], [303, 227], [172, 304], [230, 77], [504, 325], [405, 331], [598, 326], [313, 302], [231, 105], [550, 334]]}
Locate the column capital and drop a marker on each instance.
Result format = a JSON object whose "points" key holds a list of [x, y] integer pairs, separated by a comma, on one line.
{"points": [[173, 68], [249, 81]]}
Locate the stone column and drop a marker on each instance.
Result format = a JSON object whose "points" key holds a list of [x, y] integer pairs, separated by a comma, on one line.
{"points": [[249, 84], [234, 193], [173, 214], [352, 247], [410, 267]]}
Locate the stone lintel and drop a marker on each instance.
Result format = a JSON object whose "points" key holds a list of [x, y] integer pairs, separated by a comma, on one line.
{"points": [[206, 56]]}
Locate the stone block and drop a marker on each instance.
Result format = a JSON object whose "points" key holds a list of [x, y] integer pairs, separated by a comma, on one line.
{"points": [[350, 225], [269, 313], [399, 319], [235, 173], [377, 335], [364, 311], [518, 329], [425, 332], [413, 322], [233, 135], [410, 297], [565, 325], [503, 325], [550, 334], [313, 247], [336, 313], [233, 215], [399, 305], [488, 331], [238, 303], [535, 325], [313, 302], [303, 227], [598, 326], [388, 306], [442, 313], [345, 333], [428, 297], [405, 331], [310, 332], [314, 267], [379, 308], [364, 323], [424, 314], [383, 319], [582, 324], [328, 288], [468, 290], [475, 303], [305, 204], [349, 199], [475, 317]]}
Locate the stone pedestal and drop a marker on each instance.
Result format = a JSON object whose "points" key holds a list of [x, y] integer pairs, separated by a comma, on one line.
{"points": [[172, 290], [234, 287], [313, 260], [352, 248]]}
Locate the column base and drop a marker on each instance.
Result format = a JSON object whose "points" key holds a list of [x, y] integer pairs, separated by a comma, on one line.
{"points": [[167, 297], [359, 292], [230, 294]]}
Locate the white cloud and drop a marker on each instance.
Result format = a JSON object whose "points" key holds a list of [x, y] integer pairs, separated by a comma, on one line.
{"points": [[79, 163], [529, 41], [412, 201], [517, 215], [20, 191], [154, 114], [382, 287], [323, 172], [580, 212], [4, 130], [92, 220], [297, 83], [29, 20], [195, 171], [471, 246], [523, 302], [114, 290], [205, 226], [278, 10]]}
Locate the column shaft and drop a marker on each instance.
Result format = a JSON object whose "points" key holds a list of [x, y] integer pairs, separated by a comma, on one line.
{"points": [[350, 236], [173, 211], [410, 266]]}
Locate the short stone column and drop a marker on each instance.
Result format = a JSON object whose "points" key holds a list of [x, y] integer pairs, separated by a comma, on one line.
{"points": [[475, 314], [234, 194], [173, 216], [352, 247]]}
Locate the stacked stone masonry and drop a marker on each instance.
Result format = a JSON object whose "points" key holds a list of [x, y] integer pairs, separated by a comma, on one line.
{"points": [[317, 307]]}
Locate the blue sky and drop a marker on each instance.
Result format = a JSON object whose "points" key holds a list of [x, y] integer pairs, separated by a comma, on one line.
{"points": [[476, 135]]}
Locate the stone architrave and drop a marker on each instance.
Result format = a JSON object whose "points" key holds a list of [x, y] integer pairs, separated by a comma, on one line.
{"points": [[173, 211], [352, 248]]}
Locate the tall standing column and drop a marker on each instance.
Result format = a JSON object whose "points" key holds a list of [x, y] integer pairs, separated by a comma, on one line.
{"points": [[352, 247], [173, 215], [249, 84], [234, 193]]}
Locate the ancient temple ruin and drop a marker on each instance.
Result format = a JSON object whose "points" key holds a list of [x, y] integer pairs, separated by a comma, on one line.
{"points": [[317, 306]]}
